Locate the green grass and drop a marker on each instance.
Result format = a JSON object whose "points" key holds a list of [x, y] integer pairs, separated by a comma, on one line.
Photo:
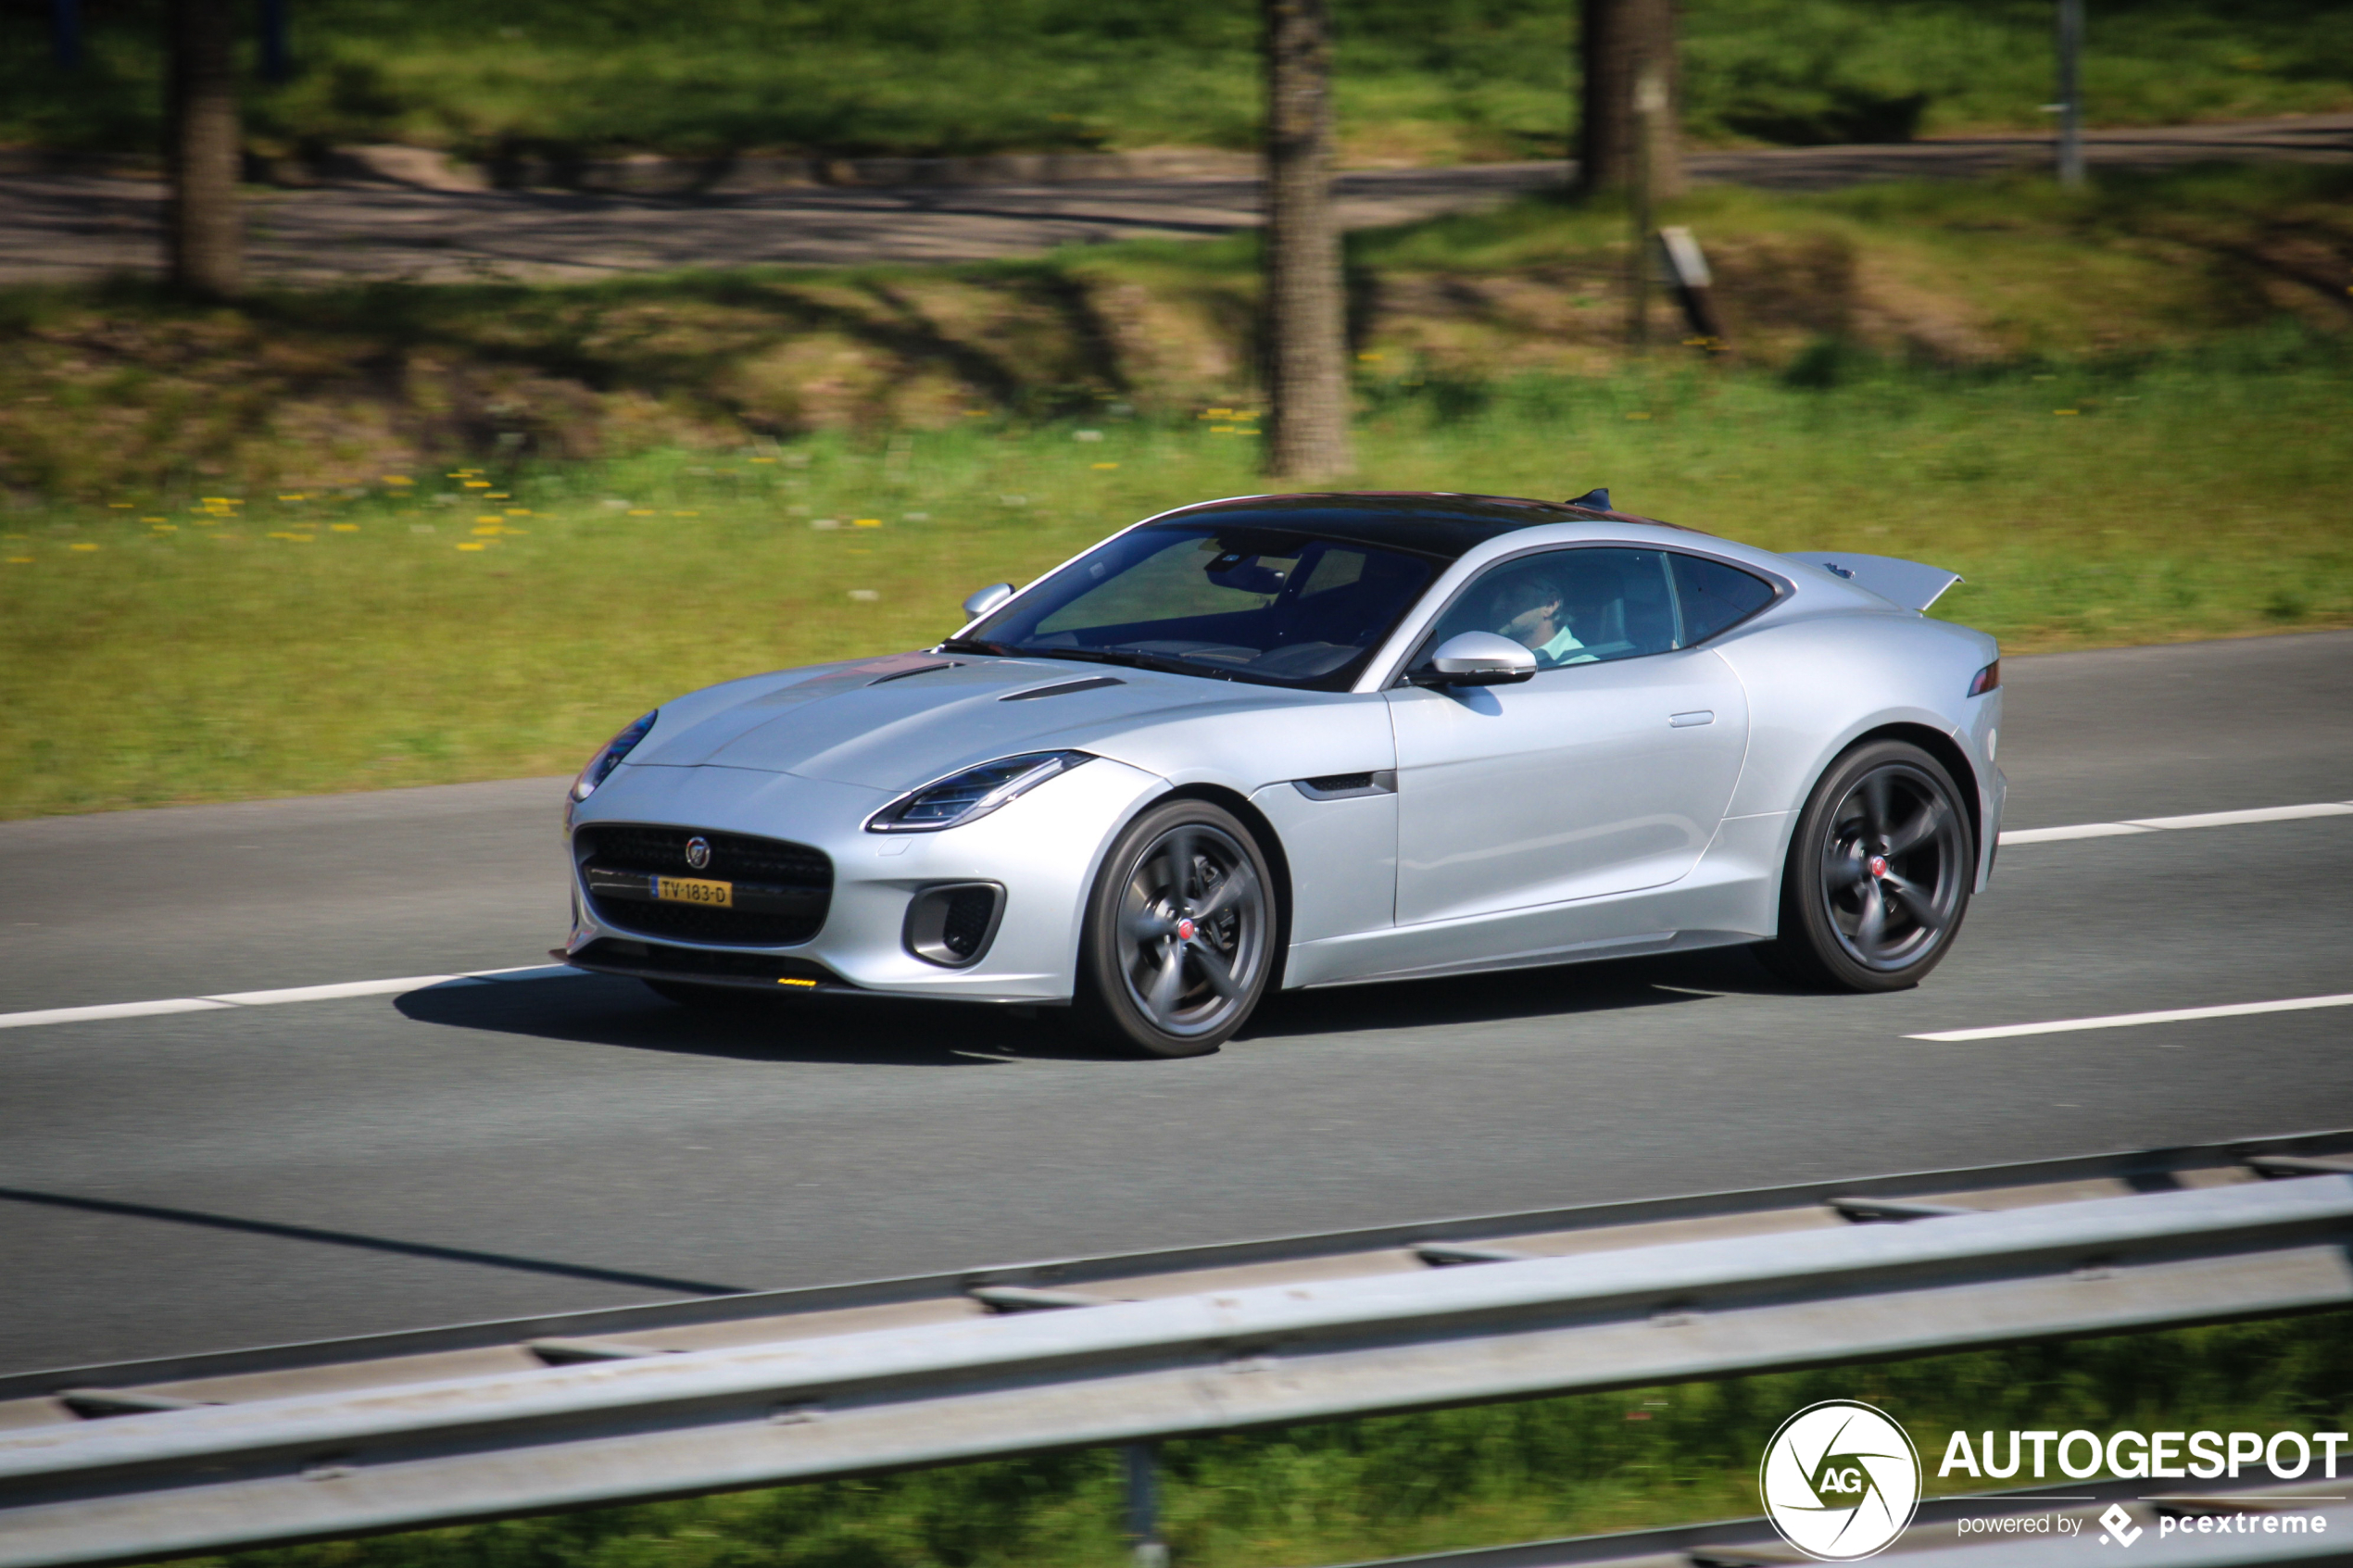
{"points": [[1424, 1482], [1420, 79], [351, 640]]}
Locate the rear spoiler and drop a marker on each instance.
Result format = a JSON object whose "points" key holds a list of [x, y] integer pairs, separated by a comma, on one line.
{"points": [[1905, 582]]}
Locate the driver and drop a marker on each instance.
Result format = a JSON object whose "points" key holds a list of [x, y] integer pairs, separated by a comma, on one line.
{"points": [[1527, 610]]}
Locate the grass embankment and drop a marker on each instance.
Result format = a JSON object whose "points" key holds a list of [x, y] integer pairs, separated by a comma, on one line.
{"points": [[286, 643], [2068, 399], [1419, 80], [1348, 1492]]}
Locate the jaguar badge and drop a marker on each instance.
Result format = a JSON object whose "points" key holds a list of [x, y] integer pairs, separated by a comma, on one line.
{"points": [[698, 852]]}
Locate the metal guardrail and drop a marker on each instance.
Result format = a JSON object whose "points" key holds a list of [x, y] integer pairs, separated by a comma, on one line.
{"points": [[644, 1425], [411, 1355]]}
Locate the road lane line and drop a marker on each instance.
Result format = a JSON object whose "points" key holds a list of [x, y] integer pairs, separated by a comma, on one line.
{"points": [[274, 998], [2081, 830], [2176, 824], [109, 1009], [2127, 1019]]}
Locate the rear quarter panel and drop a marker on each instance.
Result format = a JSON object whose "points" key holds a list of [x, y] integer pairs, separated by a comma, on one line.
{"points": [[1818, 683]]}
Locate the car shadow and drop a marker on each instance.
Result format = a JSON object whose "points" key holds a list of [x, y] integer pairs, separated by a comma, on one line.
{"points": [[1557, 991], [600, 1009]]}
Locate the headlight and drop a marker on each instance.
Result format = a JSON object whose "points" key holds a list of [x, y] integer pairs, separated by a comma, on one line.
{"points": [[973, 794], [601, 765]]}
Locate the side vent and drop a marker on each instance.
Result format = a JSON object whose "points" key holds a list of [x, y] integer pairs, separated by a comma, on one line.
{"points": [[1348, 786]]}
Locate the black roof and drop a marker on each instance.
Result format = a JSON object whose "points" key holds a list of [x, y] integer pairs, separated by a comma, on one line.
{"points": [[1428, 524]]}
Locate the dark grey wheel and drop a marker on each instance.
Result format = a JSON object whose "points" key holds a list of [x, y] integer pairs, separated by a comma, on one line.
{"points": [[1179, 935], [1878, 871]]}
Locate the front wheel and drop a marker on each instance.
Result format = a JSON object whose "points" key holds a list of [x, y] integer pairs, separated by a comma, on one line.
{"points": [[1879, 872], [1179, 934]]}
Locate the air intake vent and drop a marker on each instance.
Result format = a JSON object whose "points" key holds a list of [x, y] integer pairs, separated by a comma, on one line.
{"points": [[952, 925], [1063, 688]]}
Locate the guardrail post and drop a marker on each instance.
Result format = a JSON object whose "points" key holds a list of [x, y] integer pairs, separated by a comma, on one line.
{"points": [[1143, 1507]]}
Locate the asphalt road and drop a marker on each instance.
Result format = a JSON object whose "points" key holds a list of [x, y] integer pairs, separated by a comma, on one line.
{"points": [[213, 1179], [57, 227]]}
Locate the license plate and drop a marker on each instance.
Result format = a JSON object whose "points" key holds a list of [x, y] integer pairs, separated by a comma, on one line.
{"points": [[691, 890]]}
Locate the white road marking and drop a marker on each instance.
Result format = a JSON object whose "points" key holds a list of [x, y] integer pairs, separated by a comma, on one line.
{"points": [[2128, 1020], [2175, 825], [273, 998], [2023, 836]]}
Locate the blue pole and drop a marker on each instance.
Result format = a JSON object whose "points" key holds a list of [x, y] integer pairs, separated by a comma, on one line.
{"points": [[65, 32]]}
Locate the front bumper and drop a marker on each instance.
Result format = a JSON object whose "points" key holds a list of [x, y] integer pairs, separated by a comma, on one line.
{"points": [[1043, 849]]}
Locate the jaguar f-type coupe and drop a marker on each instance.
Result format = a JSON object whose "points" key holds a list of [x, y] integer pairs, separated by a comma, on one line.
{"points": [[1296, 741]]}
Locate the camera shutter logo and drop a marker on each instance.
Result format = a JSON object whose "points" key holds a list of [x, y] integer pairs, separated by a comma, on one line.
{"points": [[1840, 1481], [699, 853]]}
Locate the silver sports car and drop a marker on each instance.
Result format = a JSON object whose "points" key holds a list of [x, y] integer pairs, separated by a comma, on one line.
{"points": [[1318, 740]]}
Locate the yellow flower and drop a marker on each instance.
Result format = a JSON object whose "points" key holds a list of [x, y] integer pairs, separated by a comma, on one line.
{"points": [[492, 517], [344, 527], [477, 545], [2067, 410], [477, 484], [1106, 465], [490, 526], [641, 511], [81, 547], [865, 523], [119, 505], [152, 520], [398, 479]]}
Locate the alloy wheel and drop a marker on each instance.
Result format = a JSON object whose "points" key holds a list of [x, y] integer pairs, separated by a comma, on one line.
{"points": [[1894, 871], [1193, 930]]}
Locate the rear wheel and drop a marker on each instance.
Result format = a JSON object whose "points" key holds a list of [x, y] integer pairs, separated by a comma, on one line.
{"points": [[1179, 935], [1879, 872]]}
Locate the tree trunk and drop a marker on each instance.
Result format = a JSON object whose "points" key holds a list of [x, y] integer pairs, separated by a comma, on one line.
{"points": [[1624, 41], [204, 241], [1307, 296]]}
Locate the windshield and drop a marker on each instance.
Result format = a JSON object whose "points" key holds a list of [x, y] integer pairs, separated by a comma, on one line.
{"points": [[1250, 604]]}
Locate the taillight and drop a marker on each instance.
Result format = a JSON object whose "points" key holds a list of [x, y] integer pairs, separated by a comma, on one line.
{"points": [[1988, 679]]}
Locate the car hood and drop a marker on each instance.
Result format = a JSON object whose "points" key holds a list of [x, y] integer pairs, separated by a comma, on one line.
{"points": [[893, 724]]}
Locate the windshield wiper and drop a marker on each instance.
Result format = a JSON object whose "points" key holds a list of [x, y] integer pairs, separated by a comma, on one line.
{"points": [[1126, 658]]}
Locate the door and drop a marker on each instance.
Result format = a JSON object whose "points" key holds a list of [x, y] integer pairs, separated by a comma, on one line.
{"points": [[1606, 772]]}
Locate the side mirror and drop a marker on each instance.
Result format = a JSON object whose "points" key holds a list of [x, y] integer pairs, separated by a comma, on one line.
{"points": [[1478, 658], [989, 599]]}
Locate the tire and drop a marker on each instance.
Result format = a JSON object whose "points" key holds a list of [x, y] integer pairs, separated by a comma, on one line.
{"points": [[1879, 874], [1178, 940]]}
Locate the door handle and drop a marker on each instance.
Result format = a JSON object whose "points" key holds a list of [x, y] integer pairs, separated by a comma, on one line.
{"points": [[1685, 720]]}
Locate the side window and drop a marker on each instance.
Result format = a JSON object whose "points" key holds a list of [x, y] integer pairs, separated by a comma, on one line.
{"points": [[1715, 595], [1571, 607]]}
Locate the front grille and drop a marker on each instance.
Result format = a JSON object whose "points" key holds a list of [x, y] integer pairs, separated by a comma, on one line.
{"points": [[781, 890]]}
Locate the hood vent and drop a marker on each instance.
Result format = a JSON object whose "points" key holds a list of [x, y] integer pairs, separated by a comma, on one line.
{"points": [[918, 670], [1063, 688]]}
